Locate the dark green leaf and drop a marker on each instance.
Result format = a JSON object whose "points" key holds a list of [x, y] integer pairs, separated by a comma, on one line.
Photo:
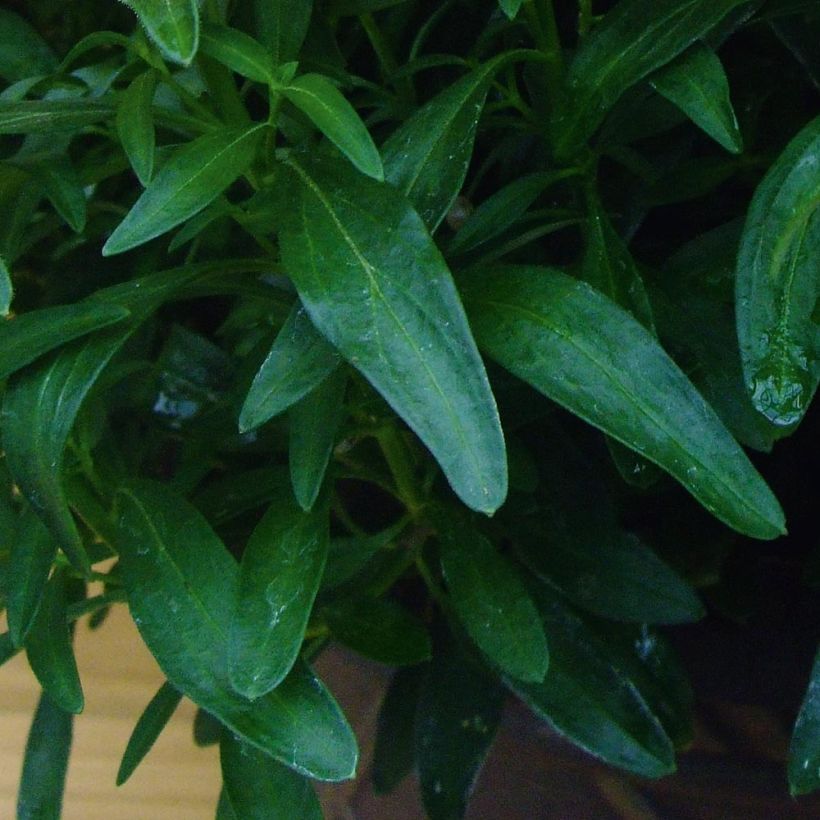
{"points": [[63, 188], [395, 313], [697, 84], [348, 556], [23, 53], [581, 350], [191, 179], [135, 125], [314, 422], [799, 35], [492, 602], [299, 360], [510, 7], [459, 710], [804, 752], [6, 289], [336, 118], [778, 286], [149, 726], [45, 763], [224, 809], [282, 26], [51, 116], [379, 629], [174, 27], [259, 788], [207, 729], [182, 584], [238, 51], [7, 648]]}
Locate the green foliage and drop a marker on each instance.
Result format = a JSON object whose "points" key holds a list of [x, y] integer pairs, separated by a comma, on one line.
{"points": [[264, 259]]}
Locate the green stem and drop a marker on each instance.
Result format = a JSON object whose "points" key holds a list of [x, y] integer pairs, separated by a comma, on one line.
{"points": [[584, 17], [541, 17]]}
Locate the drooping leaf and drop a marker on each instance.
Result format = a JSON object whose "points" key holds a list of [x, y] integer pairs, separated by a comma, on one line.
{"points": [[581, 350], [777, 284], [6, 289], [42, 781], [149, 726], [282, 26], [239, 52], [172, 24], [427, 157], [697, 84], [804, 751], [51, 116], [135, 125], [314, 422], [299, 360], [182, 584], [279, 576], [189, 181], [492, 602], [394, 314], [23, 53], [320, 100]]}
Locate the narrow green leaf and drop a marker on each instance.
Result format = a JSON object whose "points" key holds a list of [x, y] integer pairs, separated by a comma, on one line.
{"points": [[777, 284], [804, 751], [427, 157], [280, 573], [697, 84], [39, 408], [239, 52], [394, 314], [492, 602], [49, 651], [314, 422], [588, 698], [379, 629], [6, 289], [51, 116], [224, 809], [581, 350], [23, 53], [510, 7], [135, 125], [336, 118], [33, 550], [42, 781], [458, 712], [182, 584], [172, 24], [149, 726], [8, 649], [63, 188], [348, 556], [282, 26], [259, 788], [207, 729], [191, 179], [299, 361], [28, 336]]}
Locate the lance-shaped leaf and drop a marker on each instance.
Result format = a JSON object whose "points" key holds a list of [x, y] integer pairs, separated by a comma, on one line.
{"points": [[239, 52], [634, 39], [42, 781], [51, 116], [6, 288], [259, 788], [282, 26], [428, 156], [697, 84], [804, 752], [189, 181], [23, 53], [149, 726], [172, 24], [298, 362], [182, 584], [39, 409], [778, 283], [396, 317], [510, 7], [135, 125], [492, 602], [336, 118], [581, 350], [280, 573], [62, 187]]}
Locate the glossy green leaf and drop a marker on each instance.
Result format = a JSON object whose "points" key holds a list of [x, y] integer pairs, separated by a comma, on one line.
{"points": [[379, 629], [42, 781], [51, 116], [280, 573], [39, 409], [6, 289], [510, 7], [33, 550], [314, 422], [259, 788], [458, 712], [427, 157], [23, 53], [588, 698], [697, 84], [634, 39], [182, 585], [298, 362], [778, 286], [492, 602], [191, 179], [282, 25], [135, 125], [320, 100], [238, 51], [49, 651], [581, 350], [172, 24], [394, 314], [149, 726], [804, 751]]}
